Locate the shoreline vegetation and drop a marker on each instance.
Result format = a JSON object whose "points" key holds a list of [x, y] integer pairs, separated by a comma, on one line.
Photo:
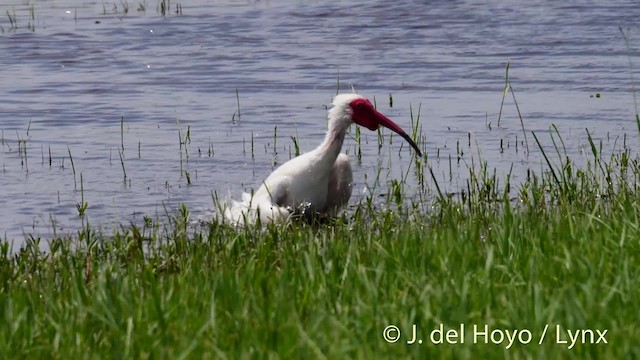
{"points": [[548, 267], [563, 254]]}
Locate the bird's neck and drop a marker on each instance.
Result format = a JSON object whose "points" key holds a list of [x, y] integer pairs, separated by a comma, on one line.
{"points": [[332, 144]]}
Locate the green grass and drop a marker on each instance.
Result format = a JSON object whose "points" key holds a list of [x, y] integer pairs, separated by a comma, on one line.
{"points": [[564, 253]]}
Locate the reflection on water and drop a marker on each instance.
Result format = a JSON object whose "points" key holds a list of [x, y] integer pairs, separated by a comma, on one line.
{"points": [[88, 82]]}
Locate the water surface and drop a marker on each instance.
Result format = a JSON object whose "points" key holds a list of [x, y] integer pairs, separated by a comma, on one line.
{"points": [[77, 71]]}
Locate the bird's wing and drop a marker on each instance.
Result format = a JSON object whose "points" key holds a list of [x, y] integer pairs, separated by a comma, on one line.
{"points": [[270, 204], [340, 185], [277, 189], [253, 209]]}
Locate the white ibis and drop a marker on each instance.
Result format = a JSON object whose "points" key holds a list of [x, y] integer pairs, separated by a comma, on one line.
{"points": [[318, 182]]}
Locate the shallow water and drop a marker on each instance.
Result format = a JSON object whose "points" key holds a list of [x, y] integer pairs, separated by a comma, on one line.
{"points": [[77, 71]]}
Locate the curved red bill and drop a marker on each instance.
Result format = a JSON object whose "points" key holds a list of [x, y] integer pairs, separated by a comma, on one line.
{"points": [[386, 122], [366, 115]]}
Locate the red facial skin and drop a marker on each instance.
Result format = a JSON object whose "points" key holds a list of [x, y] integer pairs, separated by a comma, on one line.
{"points": [[365, 115]]}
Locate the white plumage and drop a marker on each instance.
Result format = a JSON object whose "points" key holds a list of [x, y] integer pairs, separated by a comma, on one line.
{"points": [[318, 182]]}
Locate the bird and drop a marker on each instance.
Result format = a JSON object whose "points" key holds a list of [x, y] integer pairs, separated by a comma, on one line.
{"points": [[317, 183]]}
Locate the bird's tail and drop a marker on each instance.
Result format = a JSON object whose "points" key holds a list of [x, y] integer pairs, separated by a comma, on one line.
{"points": [[253, 210]]}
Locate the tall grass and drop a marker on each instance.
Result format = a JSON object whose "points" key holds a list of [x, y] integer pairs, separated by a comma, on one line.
{"points": [[564, 255]]}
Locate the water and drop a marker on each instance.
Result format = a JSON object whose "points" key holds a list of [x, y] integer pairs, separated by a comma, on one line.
{"points": [[77, 71]]}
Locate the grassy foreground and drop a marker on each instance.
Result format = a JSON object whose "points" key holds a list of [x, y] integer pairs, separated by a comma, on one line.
{"points": [[564, 256]]}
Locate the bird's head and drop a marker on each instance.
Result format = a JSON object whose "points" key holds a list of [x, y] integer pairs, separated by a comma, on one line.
{"points": [[355, 108]]}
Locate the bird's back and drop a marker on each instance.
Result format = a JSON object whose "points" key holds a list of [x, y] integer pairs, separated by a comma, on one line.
{"points": [[298, 182]]}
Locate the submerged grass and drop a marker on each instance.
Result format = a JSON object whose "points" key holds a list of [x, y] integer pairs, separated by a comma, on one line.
{"points": [[561, 258]]}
